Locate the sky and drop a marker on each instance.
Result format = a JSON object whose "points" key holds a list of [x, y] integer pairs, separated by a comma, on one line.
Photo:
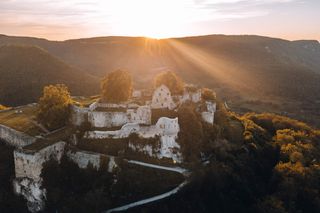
{"points": [[67, 19]]}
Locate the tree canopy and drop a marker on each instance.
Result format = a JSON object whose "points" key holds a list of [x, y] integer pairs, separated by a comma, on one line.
{"points": [[208, 94], [53, 108], [171, 80], [116, 86]]}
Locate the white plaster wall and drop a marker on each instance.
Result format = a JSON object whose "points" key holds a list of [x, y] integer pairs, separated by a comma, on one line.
{"points": [[14, 137], [28, 164], [208, 116], [195, 97], [107, 119], [141, 115], [211, 107], [145, 149], [32, 191], [170, 148], [162, 99], [164, 126], [124, 132], [78, 115], [83, 159], [168, 126]]}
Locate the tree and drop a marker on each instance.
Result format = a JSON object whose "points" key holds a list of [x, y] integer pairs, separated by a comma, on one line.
{"points": [[171, 80], [208, 94], [116, 86], [53, 110], [191, 133]]}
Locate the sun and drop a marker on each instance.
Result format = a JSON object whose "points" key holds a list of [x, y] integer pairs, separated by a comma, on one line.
{"points": [[149, 18]]}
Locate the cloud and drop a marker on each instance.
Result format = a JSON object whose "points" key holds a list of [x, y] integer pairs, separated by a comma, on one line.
{"points": [[107, 16]]}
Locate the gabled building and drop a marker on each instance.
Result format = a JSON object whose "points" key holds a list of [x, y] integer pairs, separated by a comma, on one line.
{"points": [[162, 99]]}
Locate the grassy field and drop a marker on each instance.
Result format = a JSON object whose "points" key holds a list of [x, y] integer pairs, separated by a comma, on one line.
{"points": [[21, 119]]}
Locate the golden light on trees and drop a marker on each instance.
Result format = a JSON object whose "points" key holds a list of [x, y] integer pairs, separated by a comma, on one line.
{"points": [[116, 86], [54, 104]]}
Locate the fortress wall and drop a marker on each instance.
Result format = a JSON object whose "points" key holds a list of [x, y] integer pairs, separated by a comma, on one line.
{"points": [[79, 115], [107, 119], [195, 97], [28, 164], [141, 115], [14, 137], [164, 127], [83, 159], [208, 116], [124, 132]]}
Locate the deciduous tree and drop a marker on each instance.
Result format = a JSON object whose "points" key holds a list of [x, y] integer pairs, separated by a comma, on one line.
{"points": [[171, 80], [116, 86], [53, 111]]}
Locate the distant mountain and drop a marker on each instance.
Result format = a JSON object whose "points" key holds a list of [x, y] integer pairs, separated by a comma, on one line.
{"points": [[25, 70], [242, 63]]}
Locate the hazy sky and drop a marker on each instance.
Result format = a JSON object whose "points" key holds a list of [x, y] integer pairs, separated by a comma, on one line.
{"points": [[64, 19]]}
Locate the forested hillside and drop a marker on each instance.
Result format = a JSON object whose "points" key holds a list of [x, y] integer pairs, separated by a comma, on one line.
{"points": [[283, 75], [25, 70]]}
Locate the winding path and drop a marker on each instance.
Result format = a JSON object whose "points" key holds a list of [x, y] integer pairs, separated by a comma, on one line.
{"points": [[180, 170]]}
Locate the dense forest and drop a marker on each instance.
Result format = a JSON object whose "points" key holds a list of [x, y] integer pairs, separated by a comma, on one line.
{"points": [[274, 168]]}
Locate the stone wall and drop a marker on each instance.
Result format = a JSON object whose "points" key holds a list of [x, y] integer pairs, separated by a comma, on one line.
{"points": [[28, 164], [14, 137], [208, 115], [162, 99], [124, 132], [32, 191], [141, 115], [84, 158], [79, 115], [195, 97], [96, 105], [164, 127]]}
